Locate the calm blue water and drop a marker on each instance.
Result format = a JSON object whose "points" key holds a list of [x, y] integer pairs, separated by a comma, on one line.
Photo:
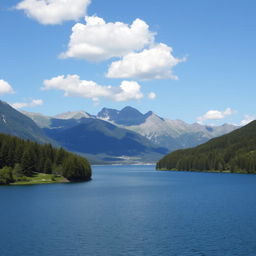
{"points": [[132, 210]]}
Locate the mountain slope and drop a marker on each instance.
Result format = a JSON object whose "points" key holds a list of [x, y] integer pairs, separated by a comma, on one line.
{"points": [[73, 115], [235, 152], [93, 136], [15, 123], [172, 134]]}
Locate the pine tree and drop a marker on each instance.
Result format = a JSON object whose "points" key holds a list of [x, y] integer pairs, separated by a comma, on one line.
{"points": [[28, 162], [47, 166]]}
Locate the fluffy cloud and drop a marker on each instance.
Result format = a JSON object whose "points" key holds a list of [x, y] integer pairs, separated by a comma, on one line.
{"points": [[97, 40], [247, 119], [50, 12], [5, 87], [152, 95], [154, 63], [73, 86], [215, 115], [33, 103]]}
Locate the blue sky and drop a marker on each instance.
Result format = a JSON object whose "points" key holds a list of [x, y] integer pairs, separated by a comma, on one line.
{"points": [[214, 57]]}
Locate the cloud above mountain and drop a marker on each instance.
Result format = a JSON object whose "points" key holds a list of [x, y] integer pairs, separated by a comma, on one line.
{"points": [[98, 40], [32, 103], [131, 47], [5, 87], [140, 57], [73, 86], [215, 115], [51, 12], [154, 63], [151, 95]]}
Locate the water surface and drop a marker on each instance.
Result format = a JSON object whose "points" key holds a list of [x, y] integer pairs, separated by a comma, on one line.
{"points": [[132, 210]]}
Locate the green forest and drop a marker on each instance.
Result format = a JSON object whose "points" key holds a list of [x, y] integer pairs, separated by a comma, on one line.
{"points": [[20, 159], [234, 152]]}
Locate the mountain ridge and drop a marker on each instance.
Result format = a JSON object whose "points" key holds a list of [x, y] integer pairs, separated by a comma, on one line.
{"points": [[15, 123], [171, 134]]}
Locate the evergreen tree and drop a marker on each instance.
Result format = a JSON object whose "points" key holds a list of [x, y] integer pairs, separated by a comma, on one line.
{"points": [[27, 158], [6, 175], [234, 152], [28, 162], [48, 166]]}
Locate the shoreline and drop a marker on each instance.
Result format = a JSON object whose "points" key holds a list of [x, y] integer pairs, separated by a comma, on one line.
{"points": [[205, 171], [40, 178]]}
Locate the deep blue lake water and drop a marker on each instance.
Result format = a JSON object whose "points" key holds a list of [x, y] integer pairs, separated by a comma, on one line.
{"points": [[132, 210]]}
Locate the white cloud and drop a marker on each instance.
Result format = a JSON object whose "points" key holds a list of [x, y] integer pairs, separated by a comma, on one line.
{"points": [[5, 87], [154, 63], [97, 40], [33, 103], [215, 115], [73, 86], [152, 95], [247, 119], [50, 12], [130, 90]]}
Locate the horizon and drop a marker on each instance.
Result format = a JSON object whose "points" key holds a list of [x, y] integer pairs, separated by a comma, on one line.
{"points": [[205, 75]]}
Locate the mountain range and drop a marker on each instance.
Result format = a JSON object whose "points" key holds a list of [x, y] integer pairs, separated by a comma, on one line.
{"points": [[111, 136], [101, 136]]}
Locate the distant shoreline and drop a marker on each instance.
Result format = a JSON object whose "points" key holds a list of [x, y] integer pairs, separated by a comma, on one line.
{"points": [[206, 171]]}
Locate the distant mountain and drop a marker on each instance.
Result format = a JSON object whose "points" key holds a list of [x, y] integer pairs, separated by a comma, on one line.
{"points": [[41, 120], [172, 134], [15, 123], [109, 142], [162, 133], [98, 140], [73, 115], [234, 152], [52, 122], [127, 116]]}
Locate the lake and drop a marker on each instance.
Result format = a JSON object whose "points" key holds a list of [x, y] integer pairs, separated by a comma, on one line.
{"points": [[132, 210]]}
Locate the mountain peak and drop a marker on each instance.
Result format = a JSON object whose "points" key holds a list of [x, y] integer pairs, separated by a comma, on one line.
{"points": [[127, 116], [73, 115], [129, 108], [108, 114]]}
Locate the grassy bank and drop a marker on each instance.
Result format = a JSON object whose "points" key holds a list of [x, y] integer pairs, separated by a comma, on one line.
{"points": [[40, 178]]}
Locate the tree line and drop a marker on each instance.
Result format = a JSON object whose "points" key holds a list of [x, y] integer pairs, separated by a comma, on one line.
{"points": [[234, 152], [22, 158]]}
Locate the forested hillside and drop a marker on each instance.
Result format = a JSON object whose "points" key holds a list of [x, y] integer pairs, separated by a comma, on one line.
{"points": [[20, 159], [234, 152]]}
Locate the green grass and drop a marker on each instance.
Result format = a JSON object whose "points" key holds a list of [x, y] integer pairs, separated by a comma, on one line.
{"points": [[39, 178]]}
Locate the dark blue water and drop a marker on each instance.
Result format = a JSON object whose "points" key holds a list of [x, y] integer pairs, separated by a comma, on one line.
{"points": [[132, 210]]}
